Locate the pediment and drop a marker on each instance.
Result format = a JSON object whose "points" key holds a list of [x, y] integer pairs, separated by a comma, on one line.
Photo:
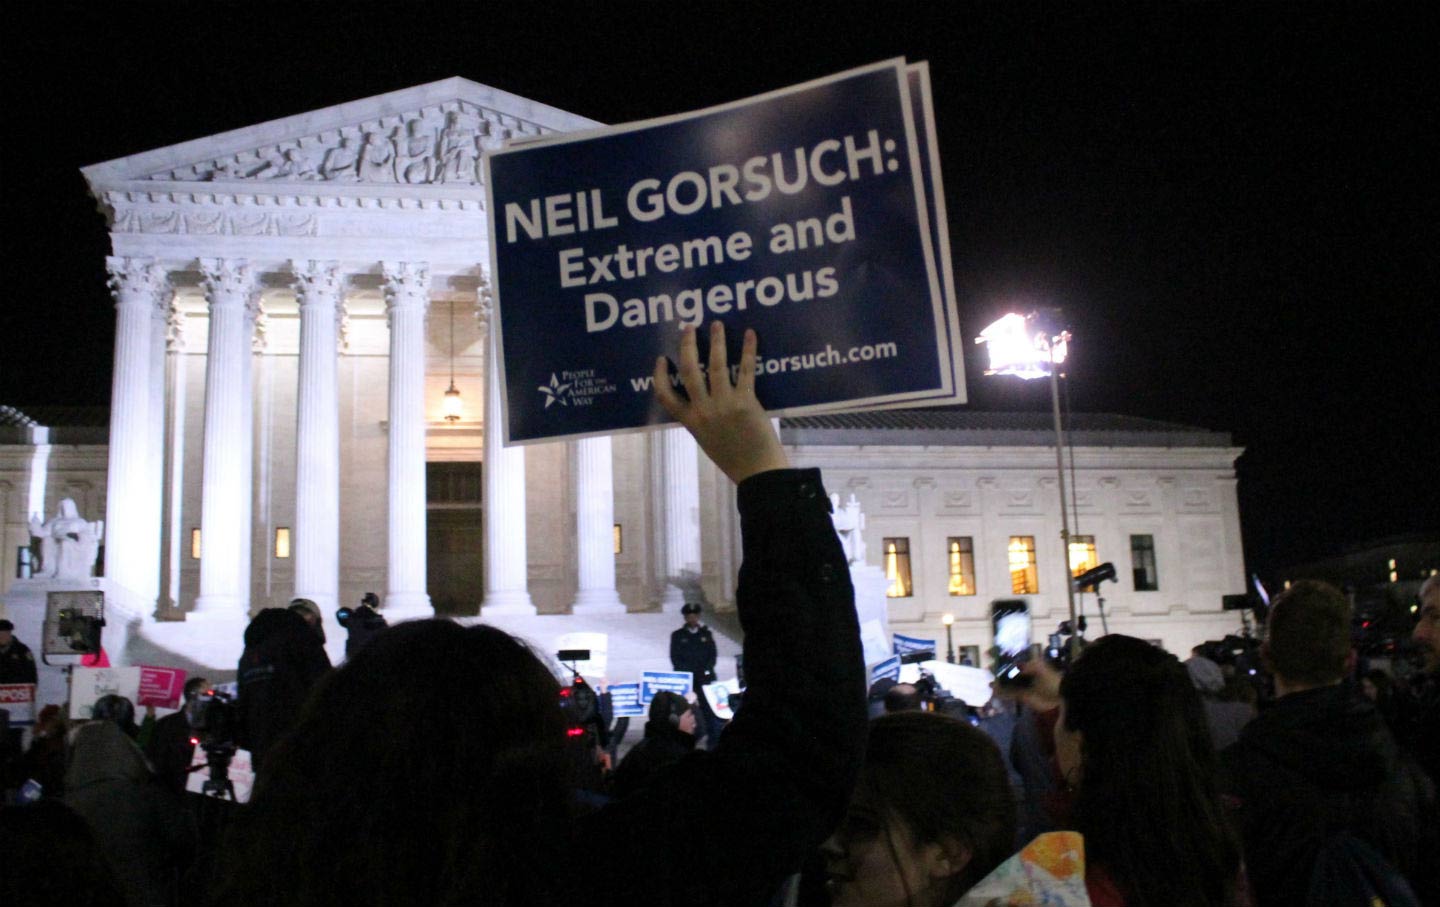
{"points": [[430, 135]]}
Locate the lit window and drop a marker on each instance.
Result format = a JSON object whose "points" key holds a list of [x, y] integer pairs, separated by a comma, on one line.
{"points": [[897, 568], [1082, 554], [1024, 577], [1142, 563], [195, 544], [619, 539], [282, 542], [962, 565]]}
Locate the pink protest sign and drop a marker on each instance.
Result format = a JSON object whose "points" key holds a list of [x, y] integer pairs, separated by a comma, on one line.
{"points": [[161, 687]]}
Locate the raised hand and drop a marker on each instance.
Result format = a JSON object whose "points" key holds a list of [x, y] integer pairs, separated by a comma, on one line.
{"points": [[727, 420]]}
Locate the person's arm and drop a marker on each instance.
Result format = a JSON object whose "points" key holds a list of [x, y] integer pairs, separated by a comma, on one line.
{"points": [[779, 780]]}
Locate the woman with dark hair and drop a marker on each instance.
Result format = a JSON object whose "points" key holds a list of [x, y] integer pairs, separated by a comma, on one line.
{"points": [[430, 769], [1134, 751], [932, 814]]}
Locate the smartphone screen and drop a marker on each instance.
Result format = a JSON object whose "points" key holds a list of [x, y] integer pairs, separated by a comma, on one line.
{"points": [[1010, 620]]}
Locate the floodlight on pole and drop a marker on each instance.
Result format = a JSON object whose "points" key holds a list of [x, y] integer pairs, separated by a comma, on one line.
{"points": [[1019, 346]]}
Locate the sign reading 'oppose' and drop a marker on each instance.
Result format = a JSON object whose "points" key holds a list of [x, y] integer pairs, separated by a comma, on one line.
{"points": [[805, 214]]}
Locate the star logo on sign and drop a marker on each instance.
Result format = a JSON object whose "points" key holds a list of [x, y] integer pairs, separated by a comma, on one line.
{"points": [[554, 391]]}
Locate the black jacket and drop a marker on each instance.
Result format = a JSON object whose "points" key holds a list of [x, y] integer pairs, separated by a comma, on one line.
{"points": [[747, 812], [283, 659], [1317, 763], [664, 744], [694, 652], [17, 664]]}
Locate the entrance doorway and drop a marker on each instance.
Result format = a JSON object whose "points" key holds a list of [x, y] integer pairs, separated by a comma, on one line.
{"points": [[454, 537]]}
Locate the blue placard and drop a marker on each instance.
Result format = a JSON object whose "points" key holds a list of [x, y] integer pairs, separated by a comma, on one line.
{"points": [[906, 645], [890, 668], [652, 682], [801, 213], [625, 700]]}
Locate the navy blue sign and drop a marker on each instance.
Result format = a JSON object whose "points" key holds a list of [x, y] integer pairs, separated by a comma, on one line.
{"points": [[802, 213], [890, 668], [625, 700], [652, 682], [908, 645]]}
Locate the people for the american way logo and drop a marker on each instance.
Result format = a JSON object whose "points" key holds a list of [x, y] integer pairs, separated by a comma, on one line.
{"points": [[555, 392]]}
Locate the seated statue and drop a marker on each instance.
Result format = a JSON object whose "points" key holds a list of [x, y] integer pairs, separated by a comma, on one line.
{"points": [[69, 544]]}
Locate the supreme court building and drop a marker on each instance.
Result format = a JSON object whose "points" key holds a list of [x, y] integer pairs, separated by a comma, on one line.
{"points": [[302, 404]]}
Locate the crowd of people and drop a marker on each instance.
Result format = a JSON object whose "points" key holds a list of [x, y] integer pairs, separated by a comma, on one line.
{"points": [[436, 766]]}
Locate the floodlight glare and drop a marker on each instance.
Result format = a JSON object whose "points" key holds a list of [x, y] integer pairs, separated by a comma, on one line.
{"points": [[1017, 346]]}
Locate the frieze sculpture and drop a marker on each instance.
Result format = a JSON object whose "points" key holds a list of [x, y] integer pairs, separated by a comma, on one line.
{"points": [[444, 144], [69, 544]]}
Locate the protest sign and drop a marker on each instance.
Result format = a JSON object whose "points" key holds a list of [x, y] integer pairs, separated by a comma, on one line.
{"points": [[718, 696], [908, 645], [88, 684], [19, 700], [652, 682], [890, 668], [625, 700], [160, 687], [801, 213]]}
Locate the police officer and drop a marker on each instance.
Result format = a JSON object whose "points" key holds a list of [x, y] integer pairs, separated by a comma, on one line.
{"points": [[17, 664], [692, 648]]}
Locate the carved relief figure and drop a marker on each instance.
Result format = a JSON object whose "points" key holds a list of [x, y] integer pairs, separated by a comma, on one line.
{"points": [[69, 544], [377, 158], [415, 154], [458, 150], [341, 162]]}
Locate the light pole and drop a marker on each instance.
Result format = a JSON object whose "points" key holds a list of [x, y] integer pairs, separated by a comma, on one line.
{"points": [[1018, 347], [948, 620]]}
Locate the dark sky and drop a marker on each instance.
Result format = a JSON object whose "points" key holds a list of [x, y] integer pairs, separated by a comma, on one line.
{"points": [[1235, 206]]}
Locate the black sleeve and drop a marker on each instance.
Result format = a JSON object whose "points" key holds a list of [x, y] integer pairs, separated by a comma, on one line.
{"points": [[675, 651], [749, 811]]}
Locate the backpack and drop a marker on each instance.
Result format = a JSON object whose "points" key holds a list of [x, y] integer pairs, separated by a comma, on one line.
{"points": [[1348, 872]]}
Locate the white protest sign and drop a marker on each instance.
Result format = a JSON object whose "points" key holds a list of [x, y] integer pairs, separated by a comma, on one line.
{"points": [[718, 695], [19, 700], [87, 685], [874, 642]]}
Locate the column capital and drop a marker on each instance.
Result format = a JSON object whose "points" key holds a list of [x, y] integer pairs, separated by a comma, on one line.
{"points": [[229, 282], [316, 282], [136, 280], [407, 285]]}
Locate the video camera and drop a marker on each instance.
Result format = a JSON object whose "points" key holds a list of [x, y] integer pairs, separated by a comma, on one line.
{"points": [[361, 623], [214, 718]]}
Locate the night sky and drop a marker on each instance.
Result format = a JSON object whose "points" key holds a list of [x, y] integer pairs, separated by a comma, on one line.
{"points": [[1235, 207]]}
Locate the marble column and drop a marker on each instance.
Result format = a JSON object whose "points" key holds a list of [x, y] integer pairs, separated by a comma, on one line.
{"points": [[316, 541], [232, 295], [595, 528], [407, 296], [139, 287], [173, 552], [152, 543], [507, 564], [681, 476]]}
